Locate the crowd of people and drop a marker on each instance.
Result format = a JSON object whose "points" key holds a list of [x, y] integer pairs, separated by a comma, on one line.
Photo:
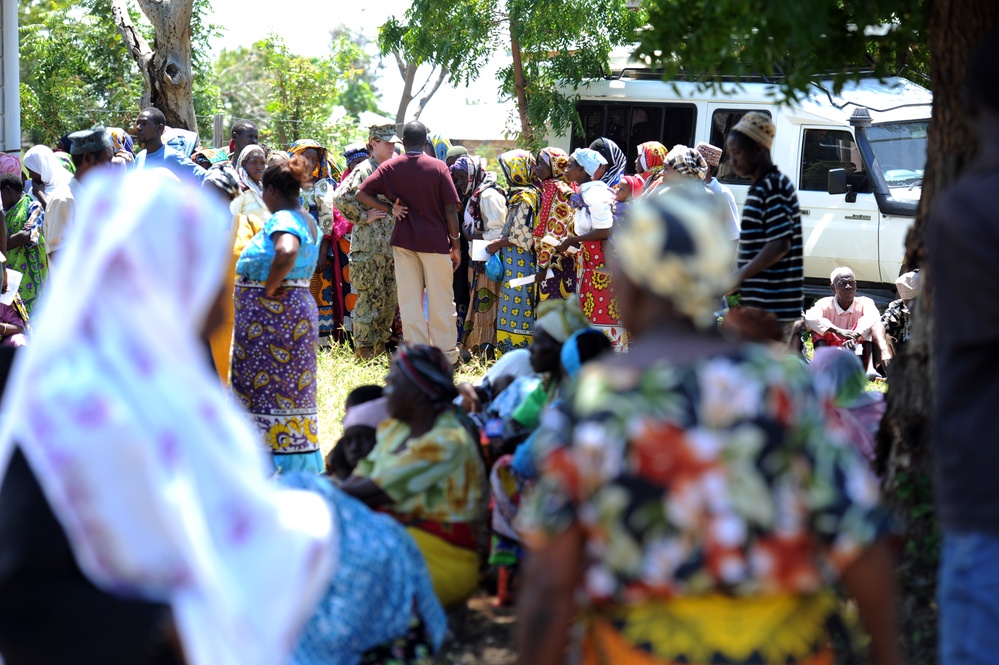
{"points": [[654, 477]]}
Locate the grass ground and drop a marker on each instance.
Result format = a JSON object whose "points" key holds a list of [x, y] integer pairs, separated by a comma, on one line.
{"points": [[339, 372]]}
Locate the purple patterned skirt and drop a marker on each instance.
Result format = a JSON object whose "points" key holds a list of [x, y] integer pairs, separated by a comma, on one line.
{"points": [[274, 346]]}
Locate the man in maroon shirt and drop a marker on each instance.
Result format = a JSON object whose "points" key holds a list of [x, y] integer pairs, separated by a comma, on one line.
{"points": [[425, 240]]}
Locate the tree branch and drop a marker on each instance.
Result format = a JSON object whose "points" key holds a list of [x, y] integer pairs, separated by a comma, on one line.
{"points": [[136, 43], [400, 62], [441, 75]]}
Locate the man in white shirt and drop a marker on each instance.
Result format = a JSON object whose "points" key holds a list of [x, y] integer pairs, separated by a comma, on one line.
{"points": [[712, 155], [846, 319], [89, 149]]}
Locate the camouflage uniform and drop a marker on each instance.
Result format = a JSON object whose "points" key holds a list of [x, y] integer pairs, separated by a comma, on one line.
{"points": [[372, 269]]}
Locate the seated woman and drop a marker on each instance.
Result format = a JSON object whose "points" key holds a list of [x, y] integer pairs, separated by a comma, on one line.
{"points": [[427, 471], [365, 409], [694, 499]]}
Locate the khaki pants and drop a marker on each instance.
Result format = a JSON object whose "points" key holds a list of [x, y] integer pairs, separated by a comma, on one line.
{"points": [[414, 272]]}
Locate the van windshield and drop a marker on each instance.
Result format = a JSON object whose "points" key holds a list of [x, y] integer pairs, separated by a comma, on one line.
{"points": [[901, 151]]}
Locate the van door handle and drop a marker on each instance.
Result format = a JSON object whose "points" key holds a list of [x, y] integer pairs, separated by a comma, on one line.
{"points": [[805, 212], [861, 217]]}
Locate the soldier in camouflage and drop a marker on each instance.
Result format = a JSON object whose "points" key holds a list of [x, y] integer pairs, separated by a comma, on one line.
{"points": [[372, 269]]}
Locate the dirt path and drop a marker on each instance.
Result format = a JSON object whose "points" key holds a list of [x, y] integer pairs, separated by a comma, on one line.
{"points": [[485, 637]]}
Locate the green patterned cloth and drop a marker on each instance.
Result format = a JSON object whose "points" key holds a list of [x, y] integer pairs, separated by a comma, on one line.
{"points": [[438, 477], [29, 259]]}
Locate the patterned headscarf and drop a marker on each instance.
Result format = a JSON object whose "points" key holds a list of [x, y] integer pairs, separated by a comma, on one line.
{"points": [[677, 246], [469, 165], [121, 142], [114, 425], [10, 164], [354, 152], [327, 169], [616, 159], [687, 161], [428, 368], [518, 167], [651, 158], [560, 318], [557, 159], [440, 145], [223, 180]]}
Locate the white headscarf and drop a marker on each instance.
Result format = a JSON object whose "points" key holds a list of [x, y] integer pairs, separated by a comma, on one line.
{"points": [[44, 162], [160, 485], [243, 175]]}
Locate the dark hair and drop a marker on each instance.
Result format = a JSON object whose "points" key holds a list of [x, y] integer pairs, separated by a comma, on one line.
{"points": [[983, 71], [288, 177], [241, 126], [591, 344], [77, 160], [414, 135], [155, 115], [362, 394], [11, 181]]}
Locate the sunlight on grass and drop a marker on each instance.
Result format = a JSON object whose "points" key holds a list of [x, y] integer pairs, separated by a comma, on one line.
{"points": [[339, 372]]}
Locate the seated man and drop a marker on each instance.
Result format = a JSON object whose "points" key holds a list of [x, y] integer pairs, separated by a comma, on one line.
{"points": [[896, 316], [846, 319]]}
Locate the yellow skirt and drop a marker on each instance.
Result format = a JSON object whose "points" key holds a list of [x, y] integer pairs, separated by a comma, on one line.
{"points": [[454, 571], [714, 629]]}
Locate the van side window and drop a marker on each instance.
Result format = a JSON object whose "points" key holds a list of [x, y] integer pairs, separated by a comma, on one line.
{"points": [[722, 122], [630, 125], [825, 149]]}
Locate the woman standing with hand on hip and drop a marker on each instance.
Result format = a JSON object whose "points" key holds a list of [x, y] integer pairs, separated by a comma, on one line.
{"points": [[277, 333]]}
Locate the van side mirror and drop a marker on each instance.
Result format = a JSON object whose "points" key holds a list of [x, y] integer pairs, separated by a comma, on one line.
{"points": [[838, 185]]}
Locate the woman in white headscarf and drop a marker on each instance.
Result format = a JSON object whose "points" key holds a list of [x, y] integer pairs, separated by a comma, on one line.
{"points": [[159, 485], [250, 167], [46, 172]]}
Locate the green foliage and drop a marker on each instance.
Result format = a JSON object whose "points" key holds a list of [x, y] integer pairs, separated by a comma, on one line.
{"points": [[360, 92], [709, 40], [289, 96], [76, 71], [563, 43]]}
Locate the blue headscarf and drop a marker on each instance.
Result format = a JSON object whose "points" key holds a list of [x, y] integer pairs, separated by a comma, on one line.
{"points": [[440, 144]]}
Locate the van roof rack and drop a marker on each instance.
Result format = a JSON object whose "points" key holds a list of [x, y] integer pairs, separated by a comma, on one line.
{"points": [[650, 74]]}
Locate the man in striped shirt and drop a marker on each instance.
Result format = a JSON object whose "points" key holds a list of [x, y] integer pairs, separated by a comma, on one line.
{"points": [[770, 275]]}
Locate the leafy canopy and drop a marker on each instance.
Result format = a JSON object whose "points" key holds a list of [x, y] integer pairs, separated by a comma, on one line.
{"points": [[563, 43], [708, 40]]}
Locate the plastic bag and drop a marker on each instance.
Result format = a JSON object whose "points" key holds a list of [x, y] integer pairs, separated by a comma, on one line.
{"points": [[494, 268]]}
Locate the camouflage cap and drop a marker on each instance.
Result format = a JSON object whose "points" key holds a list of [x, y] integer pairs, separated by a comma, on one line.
{"points": [[384, 133], [89, 140]]}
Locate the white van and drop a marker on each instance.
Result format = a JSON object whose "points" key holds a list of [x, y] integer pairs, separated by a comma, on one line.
{"points": [[857, 158]]}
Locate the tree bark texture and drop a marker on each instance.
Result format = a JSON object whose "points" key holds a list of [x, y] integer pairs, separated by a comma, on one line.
{"points": [[166, 65], [904, 451], [520, 83]]}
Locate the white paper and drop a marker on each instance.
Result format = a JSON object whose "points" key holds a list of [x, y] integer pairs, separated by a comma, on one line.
{"points": [[522, 281], [479, 252], [553, 241], [13, 284]]}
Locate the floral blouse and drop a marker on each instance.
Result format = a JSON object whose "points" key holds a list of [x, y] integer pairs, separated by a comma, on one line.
{"points": [[718, 477], [439, 476]]}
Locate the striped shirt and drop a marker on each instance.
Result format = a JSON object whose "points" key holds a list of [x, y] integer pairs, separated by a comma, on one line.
{"points": [[771, 213]]}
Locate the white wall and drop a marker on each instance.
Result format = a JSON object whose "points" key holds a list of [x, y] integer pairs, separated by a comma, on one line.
{"points": [[10, 111]]}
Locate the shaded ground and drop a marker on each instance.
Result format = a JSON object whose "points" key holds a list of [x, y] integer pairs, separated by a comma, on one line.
{"points": [[485, 637]]}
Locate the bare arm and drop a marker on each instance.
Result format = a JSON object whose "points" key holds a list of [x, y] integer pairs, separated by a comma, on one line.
{"points": [[574, 241], [285, 252], [547, 604], [871, 582], [366, 491], [454, 233], [771, 253]]}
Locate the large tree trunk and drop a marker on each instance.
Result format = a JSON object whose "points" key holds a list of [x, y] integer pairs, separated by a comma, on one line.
{"points": [[956, 26], [167, 64]]}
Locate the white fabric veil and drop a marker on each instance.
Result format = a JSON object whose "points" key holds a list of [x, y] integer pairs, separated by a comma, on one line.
{"points": [[160, 485], [44, 162]]}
